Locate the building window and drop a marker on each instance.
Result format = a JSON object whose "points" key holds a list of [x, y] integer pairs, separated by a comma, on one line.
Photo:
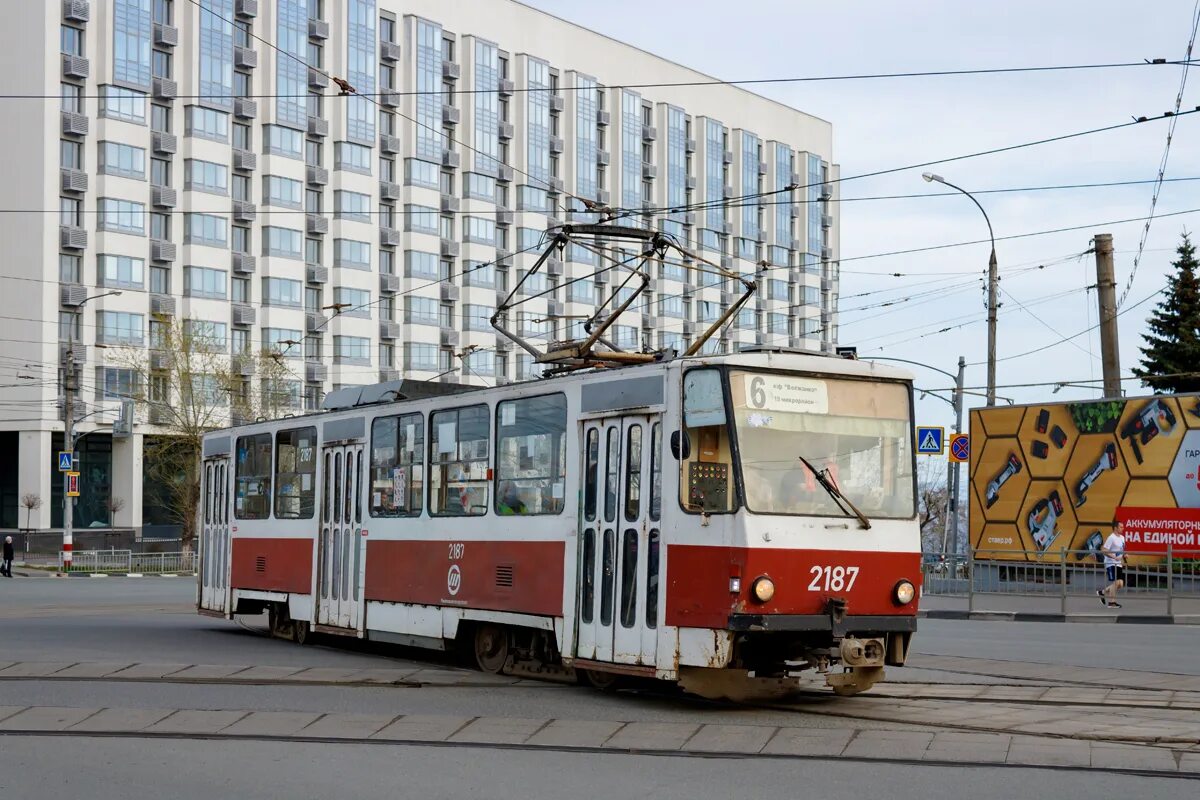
{"points": [[477, 318], [421, 265], [121, 216], [487, 107], [459, 461], [420, 357], [116, 383], [131, 41], [284, 341], [281, 141], [252, 477], [671, 306], [125, 160], [205, 229], [282, 242], [586, 143], [120, 271], [204, 282], [479, 273], [216, 52], [479, 230], [429, 99], [631, 149], [361, 62], [69, 268], [352, 157], [117, 102], [422, 173], [119, 327], [291, 74], [421, 310], [295, 473], [351, 254], [537, 107], [351, 350], [352, 205], [206, 123], [281, 292], [353, 302], [212, 336], [206, 176], [421, 219], [280, 191]]}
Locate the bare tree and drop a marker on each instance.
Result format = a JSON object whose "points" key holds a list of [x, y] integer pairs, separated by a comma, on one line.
{"points": [[932, 501], [30, 502], [114, 506], [187, 384]]}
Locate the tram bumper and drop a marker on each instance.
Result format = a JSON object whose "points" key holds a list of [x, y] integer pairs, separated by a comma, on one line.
{"points": [[813, 623]]}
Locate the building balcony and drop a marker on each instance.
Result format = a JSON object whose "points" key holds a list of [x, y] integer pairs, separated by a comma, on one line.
{"points": [[74, 124], [75, 67], [76, 11], [73, 180], [245, 160], [245, 57], [316, 176], [162, 250], [164, 143], [244, 263]]}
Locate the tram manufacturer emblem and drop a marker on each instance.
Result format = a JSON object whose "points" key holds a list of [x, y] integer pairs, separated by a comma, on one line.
{"points": [[453, 580]]}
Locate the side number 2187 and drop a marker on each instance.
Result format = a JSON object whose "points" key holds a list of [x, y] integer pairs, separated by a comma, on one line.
{"points": [[832, 579]]}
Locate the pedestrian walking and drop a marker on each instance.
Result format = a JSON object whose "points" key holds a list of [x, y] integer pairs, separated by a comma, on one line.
{"points": [[1113, 550], [6, 564]]}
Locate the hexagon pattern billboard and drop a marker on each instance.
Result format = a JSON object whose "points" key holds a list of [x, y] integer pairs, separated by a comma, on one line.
{"points": [[1052, 476]]}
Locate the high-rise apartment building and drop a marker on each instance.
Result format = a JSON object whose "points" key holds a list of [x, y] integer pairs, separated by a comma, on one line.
{"points": [[201, 159]]}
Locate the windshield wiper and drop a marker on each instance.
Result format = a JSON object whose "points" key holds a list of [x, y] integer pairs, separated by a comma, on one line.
{"points": [[829, 486]]}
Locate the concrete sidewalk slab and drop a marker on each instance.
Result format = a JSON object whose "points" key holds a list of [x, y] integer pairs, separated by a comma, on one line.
{"points": [[148, 671], [808, 742], [197, 722], [35, 669], [265, 673], [122, 720], [423, 728], [653, 735], [89, 669], [1028, 751], [272, 723], [499, 730], [576, 733], [958, 746], [202, 672], [720, 738], [889, 744], [46, 718], [349, 726]]}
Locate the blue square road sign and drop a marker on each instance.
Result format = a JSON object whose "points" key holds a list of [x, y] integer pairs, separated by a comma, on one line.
{"points": [[65, 462], [931, 440]]}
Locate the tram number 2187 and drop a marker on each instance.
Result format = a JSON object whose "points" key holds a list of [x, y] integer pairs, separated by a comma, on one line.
{"points": [[832, 579]]}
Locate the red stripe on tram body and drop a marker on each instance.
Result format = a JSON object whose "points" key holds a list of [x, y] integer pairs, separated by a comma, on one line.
{"points": [[698, 582], [522, 577], [278, 565]]}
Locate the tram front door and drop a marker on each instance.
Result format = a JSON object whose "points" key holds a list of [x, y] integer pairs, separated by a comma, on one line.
{"points": [[619, 540], [214, 535], [339, 585]]}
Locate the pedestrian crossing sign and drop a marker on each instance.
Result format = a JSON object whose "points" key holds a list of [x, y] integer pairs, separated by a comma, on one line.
{"points": [[65, 462], [931, 440]]}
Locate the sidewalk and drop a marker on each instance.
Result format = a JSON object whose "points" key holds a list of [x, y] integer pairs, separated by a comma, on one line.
{"points": [[1044, 608]]}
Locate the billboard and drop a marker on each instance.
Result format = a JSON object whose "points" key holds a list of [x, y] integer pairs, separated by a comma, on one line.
{"points": [[1052, 476]]}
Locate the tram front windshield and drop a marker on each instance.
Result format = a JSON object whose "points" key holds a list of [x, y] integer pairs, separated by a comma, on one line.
{"points": [[858, 431]]}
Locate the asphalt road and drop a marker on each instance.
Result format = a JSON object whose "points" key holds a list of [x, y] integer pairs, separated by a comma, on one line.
{"points": [[122, 769]]}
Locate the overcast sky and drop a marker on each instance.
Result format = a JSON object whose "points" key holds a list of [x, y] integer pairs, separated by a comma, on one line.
{"points": [[879, 124]]}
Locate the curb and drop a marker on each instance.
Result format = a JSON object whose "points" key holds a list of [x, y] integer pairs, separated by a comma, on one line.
{"points": [[122, 575], [1032, 616]]}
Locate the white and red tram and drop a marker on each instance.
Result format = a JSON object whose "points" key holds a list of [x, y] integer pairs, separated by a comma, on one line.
{"points": [[653, 520]]}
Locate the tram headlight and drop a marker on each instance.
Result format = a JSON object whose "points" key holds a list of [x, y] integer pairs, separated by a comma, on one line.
{"points": [[763, 589], [904, 593]]}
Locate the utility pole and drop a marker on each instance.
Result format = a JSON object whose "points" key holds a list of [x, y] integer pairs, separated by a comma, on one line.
{"points": [[69, 447], [1106, 293], [954, 465], [993, 288]]}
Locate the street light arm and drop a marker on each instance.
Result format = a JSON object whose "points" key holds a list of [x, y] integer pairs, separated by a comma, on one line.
{"points": [[986, 219], [949, 375]]}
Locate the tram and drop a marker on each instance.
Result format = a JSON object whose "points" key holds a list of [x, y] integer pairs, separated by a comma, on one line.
{"points": [[750, 515]]}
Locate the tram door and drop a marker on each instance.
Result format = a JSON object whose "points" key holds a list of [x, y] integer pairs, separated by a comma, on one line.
{"points": [[214, 535], [619, 540], [340, 546]]}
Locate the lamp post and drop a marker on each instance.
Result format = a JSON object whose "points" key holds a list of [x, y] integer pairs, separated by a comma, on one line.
{"points": [[69, 435], [952, 467], [993, 286]]}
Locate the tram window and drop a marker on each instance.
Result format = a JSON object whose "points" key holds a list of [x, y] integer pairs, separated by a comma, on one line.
{"points": [[611, 455], [397, 466], [531, 455], [633, 473], [629, 557], [705, 479], [253, 477], [656, 471], [587, 594], [458, 461], [606, 585], [295, 473], [652, 556], [591, 478]]}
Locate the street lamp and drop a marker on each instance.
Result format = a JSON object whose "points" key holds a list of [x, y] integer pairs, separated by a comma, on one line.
{"points": [[69, 434], [993, 281]]}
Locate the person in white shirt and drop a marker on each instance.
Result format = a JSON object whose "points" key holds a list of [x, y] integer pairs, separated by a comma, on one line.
{"points": [[1113, 550]]}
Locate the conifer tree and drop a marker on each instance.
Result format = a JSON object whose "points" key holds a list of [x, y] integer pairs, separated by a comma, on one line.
{"points": [[1173, 341]]}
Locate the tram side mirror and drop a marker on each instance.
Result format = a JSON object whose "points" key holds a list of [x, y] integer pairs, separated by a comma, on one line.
{"points": [[681, 445]]}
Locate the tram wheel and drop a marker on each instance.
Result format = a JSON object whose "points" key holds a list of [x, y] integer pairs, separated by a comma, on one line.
{"points": [[300, 632], [491, 648], [604, 681]]}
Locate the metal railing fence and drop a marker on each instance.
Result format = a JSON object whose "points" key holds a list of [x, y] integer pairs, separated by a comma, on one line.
{"points": [[127, 561], [1061, 574]]}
